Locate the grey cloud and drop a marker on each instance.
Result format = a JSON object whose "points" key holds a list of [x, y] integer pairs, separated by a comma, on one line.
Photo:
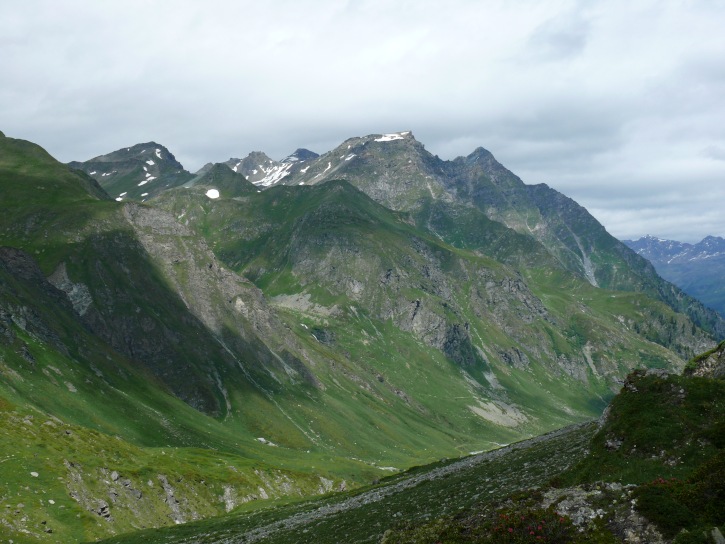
{"points": [[714, 152], [559, 38]]}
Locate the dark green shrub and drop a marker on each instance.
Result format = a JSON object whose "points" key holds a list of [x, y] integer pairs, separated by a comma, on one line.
{"points": [[661, 503]]}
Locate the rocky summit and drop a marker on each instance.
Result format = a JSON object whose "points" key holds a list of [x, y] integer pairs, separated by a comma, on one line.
{"points": [[135, 173], [175, 346]]}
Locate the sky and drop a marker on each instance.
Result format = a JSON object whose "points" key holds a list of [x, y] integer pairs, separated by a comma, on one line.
{"points": [[620, 105]]}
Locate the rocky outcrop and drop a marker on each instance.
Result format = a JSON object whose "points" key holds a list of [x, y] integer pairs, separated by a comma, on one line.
{"points": [[20, 275], [709, 365], [78, 293], [610, 504]]}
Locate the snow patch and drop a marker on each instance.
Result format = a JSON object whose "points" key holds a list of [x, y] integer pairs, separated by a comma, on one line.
{"points": [[275, 174], [92, 173], [158, 153], [304, 170], [350, 156], [118, 199], [144, 194], [123, 194], [302, 182], [144, 182], [212, 193], [150, 162], [391, 137]]}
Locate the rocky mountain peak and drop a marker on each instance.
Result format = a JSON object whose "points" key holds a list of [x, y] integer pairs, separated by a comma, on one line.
{"points": [[393, 136], [301, 155], [149, 151], [479, 154], [137, 172]]}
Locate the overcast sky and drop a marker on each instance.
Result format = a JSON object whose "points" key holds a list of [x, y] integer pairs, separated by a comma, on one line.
{"points": [[618, 104]]}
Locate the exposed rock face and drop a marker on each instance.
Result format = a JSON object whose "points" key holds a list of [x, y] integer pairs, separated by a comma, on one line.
{"points": [[22, 275], [78, 293], [226, 303], [709, 365], [610, 503]]}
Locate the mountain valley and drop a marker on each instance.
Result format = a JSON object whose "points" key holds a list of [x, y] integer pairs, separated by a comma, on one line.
{"points": [[176, 345]]}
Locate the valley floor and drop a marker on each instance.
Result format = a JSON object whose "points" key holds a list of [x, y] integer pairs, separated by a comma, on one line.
{"points": [[419, 494]]}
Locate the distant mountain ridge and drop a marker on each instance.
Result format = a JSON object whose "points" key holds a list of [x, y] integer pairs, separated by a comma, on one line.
{"points": [[661, 251], [698, 269]]}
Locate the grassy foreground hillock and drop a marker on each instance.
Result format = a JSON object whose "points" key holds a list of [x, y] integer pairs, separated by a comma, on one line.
{"points": [[655, 471]]}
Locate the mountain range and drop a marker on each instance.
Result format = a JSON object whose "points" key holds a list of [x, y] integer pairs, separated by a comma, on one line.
{"points": [[177, 345], [698, 269]]}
